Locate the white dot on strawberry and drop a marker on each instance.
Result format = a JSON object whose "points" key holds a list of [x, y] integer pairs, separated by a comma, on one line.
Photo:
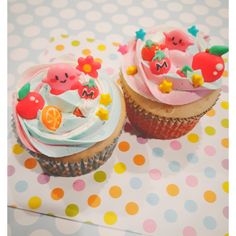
{"points": [[215, 73], [32, 98], [219, 67]]}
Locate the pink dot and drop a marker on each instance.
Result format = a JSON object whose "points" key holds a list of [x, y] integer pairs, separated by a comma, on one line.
{"points": [[109, 70], [141, 140], [191, 181], [43, 178], [224, 88], [175, 145], [149, 226], [155, 174], [79, 185], [10, 170], [226, 212], [225, 164], [210, 150], [189, 231]]}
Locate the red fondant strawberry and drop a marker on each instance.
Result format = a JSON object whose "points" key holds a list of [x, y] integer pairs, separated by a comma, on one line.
{"points": [[160, 63], [210, 63], [89, 90], [149, 50], [29, 103]]}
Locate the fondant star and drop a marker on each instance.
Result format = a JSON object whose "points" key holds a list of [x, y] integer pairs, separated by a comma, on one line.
{"points": [[103, 114], [131, 70], [105, 99], [193, 30], [140, 34], [123, 49], [166, 86], [197, 80]]}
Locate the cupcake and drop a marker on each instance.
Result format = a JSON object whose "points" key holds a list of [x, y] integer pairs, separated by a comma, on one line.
{"points": [[170, 77], [68, 116]]}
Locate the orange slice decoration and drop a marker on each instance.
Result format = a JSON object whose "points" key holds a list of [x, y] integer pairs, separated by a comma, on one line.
{"points": [[51, 117]]}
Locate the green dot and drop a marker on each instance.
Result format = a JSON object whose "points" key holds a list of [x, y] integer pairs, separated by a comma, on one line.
{"points": [[210, 130], [225, 123], [100, 176], [75, 43], [72, 210]]}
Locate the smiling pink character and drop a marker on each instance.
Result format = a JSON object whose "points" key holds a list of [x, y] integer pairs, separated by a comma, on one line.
{"points": [[177, 40], [61, 78]]}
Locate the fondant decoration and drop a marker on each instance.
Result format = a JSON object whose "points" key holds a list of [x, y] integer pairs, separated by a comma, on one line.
{"points": [[77, 112], [197, 80], [193, 30], [149, 50], [131, 70], [88, 90], [160, 63], [29, 103], [105, 99], [123, 49], [51, 117], [166, 86], [140, 34], [178, 40], [103, 114], [210, 63], [61, 78], [185, 69], [88, 66]]}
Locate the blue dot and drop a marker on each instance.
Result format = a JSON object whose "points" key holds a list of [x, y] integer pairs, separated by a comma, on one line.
{"points": [[210, 172], [190, 206], [174, 166], [152, 199], [209, 222], [21, 186], [113, 56], [158, 152], [192, 158], [170, 216], [135, 183]]}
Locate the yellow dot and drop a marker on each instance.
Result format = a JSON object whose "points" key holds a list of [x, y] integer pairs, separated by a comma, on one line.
{"points": [[172, 190], [124, 146], [115, 191], [64, 36], [193, 138], [101, 47], [75, 43], [225, 123], [225, 73], [211, 112], [72, 210], [225, 105], [210, 196], [226, 234], [52, 39], [98, 60], [225, 59], [225, 142], [100, 176], [225, 186], [60, 47], [131, 208], [110, 218], [210, 130], [90, 40], [17, 149], [86, 52], [120, 167], [34, 202], [116, 44], [94, 201]]}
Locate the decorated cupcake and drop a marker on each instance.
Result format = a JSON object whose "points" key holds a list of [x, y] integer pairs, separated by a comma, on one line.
{"points": [[171, 78], [68, 116]]}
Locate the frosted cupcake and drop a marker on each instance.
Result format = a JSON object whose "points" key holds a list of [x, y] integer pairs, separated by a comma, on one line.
{"points": [[68, 117], [170, 78]]}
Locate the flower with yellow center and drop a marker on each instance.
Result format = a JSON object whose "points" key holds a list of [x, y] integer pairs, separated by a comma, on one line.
{"points": [[103, 114], [131, 70], [166, 86], [87, 68], [105, 99], [197, 80]]}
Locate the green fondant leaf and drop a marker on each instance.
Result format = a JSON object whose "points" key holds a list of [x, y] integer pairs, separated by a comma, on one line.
{"points": [[159, 55], [91, 84], [23, 92], [218, 50], [185, 69], [149, 43]]}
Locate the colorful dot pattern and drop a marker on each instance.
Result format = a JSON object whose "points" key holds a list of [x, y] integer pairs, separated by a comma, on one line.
{"points": [[176, 178]]}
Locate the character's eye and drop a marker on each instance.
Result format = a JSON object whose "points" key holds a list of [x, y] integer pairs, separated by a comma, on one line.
{"points": [[173, 38], [180, 41], [66, 75], [56, 77]]}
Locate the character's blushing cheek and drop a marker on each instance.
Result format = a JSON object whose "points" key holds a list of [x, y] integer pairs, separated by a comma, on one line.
{"points": [[53, 80], [72, 77]]}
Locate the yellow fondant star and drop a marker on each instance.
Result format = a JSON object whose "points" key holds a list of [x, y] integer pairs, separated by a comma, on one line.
{"points": [[131, 70], [166, 86], [103, 114], [197, 80], [105, 99]]}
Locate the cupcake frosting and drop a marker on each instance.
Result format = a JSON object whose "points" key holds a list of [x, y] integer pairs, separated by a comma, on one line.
{"points": [[173, 66], [64, 109]]}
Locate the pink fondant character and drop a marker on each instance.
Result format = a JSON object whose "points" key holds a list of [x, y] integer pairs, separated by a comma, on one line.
{"points": [[61, 78], [178, 40]]}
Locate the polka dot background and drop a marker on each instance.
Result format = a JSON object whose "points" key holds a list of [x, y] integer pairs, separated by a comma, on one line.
{"points": [[152, 187]]}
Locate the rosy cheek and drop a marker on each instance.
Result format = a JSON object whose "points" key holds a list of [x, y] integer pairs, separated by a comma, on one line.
{"points": [[72, 77], [53, 81]]}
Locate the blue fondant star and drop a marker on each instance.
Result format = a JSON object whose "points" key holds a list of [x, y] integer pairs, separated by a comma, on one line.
{"points": [[193, 30], [140, 34]]}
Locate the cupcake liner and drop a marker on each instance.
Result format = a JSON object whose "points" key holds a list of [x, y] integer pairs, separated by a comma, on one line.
{"points": [[154, 126]]}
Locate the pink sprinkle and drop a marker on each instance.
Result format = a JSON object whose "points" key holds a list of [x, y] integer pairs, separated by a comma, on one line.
{"points": [[43, 178], [79, 185], [141, 140], [189, 231], [10, 170], [155, 174], [210, 150], [226, 212], [149, 226], [225, 164], [175, 145], [123, 49], [191, 181]]}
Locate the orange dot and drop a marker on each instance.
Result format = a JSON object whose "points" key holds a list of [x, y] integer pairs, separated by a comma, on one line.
{"points": [[225, 142], [124, 146], [57, 193], [94, 201], [98, 60], [210, 196], [139, 159], [212, 112], [116, 44], [86, 52], [131, 208], [115, 191], [60, 47], [30, 163], [172, 190], [225, 73]]}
